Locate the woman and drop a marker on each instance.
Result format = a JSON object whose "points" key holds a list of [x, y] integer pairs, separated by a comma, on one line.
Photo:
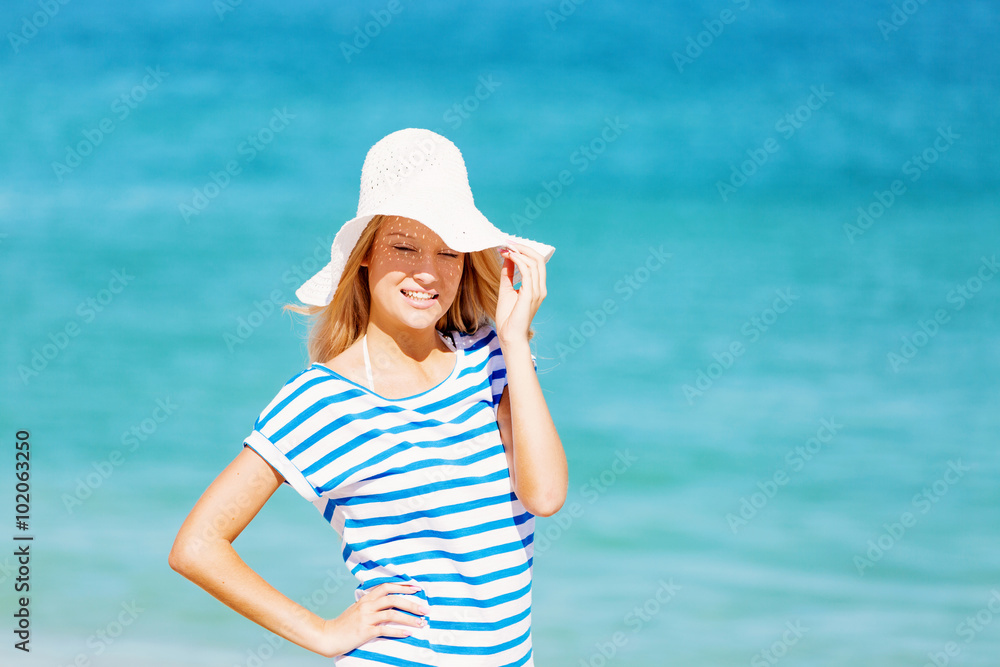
{"points": [[432, 462]]}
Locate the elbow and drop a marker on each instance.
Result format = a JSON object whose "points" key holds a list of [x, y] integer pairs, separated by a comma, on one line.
{"points": [[182, 558], [177, 559], [194, 558], [546, 509], [544, 499], [546, 505]]}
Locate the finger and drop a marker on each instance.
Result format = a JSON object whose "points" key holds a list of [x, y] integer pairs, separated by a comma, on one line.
{"points": [[388, 631], [527, 250], [379, 597], [540, 269], [522, 263], [393, 616], [392, 587], [530, 274], [536, 284], [537, 264], [507, 265], [401, 596], [411, 604], [507, 272]]}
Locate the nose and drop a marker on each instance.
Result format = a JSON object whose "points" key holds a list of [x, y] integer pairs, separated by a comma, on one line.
{"points": [[427, 269]]}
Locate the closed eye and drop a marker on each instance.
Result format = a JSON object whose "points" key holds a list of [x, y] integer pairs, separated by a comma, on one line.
{"points": [[408, 249]]}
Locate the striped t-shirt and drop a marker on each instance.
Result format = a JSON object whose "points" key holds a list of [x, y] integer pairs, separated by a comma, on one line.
{"points": [[419, 490]]}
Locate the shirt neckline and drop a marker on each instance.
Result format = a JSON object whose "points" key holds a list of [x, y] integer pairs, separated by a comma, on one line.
{"points": [[459, 352]]}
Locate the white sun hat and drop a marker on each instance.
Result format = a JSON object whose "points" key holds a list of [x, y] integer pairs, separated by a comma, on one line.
{"points": [[418, 174]]}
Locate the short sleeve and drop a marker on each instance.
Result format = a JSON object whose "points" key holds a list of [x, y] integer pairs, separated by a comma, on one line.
{"points": [[277, 435], [498, 370]]}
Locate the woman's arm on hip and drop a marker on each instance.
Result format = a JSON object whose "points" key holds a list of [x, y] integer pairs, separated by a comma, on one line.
{"points": [[203, 551]]}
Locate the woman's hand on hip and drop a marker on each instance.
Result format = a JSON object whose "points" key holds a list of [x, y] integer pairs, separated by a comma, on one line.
{"points": [[365, 619]]}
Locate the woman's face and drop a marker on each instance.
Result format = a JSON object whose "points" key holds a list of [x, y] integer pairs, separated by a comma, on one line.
{"points": [[413, 276]]}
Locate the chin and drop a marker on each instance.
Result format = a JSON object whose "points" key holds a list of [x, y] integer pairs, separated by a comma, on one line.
{"points": [[419, 319]]}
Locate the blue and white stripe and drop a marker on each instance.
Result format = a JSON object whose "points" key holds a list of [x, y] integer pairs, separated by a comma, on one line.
{"points": [[419, 490]]}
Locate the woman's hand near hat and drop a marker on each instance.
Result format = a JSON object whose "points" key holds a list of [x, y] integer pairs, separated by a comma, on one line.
{"points": [[538, 471], [516, 308]]}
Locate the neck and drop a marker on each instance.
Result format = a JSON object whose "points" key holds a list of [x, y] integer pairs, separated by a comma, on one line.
{"points": [[414, 345]]}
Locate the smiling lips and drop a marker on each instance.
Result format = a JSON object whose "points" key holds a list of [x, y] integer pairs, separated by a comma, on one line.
{"points": [[417, 297]]}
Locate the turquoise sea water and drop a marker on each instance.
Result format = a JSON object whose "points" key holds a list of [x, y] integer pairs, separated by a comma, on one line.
{"points": [[782, 438]]}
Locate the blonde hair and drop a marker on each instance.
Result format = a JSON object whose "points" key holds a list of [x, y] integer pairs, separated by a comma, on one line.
{"points": [[345, 319]]}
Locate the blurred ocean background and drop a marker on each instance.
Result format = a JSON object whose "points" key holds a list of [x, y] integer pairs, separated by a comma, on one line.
{"points": [[780, 414]]}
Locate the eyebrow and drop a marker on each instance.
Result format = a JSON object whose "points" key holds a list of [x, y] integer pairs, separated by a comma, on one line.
{"points": [[404, 235]]}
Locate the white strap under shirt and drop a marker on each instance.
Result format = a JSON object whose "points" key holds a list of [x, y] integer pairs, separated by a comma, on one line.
{"points": [[368, 362]]}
